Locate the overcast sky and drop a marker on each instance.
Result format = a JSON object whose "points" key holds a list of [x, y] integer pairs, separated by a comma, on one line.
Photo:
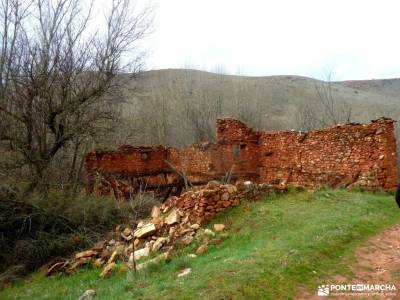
{"points": [[358, 39]]}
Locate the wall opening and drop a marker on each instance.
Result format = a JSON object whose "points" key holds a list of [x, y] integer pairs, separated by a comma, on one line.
{"points": [[145, 156], [236, 150]]}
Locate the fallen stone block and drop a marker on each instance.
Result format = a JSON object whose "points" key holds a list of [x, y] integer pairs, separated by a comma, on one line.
{"points": [[145, 231], [155, 212], [159, 243], [108, 270], [164, 256], [77, 263], [98, 262], [173, 217], [113, 257], [202, 249], [185, 272], [142, 253], [219, 227], [87, 295], [88, 253]]}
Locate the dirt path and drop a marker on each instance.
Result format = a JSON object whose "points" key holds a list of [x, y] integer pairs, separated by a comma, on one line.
{"points": [[377, 262]]}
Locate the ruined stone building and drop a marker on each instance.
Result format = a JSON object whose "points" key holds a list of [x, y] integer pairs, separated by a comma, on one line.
{"points": [[346, 155]]}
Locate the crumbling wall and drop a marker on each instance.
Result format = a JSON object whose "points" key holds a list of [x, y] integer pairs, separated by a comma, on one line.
{"points": [[199, 162], [238, 149], [127, 170], [342, 156], [345, 155]]}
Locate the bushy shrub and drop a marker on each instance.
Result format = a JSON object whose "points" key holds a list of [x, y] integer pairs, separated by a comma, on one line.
{"points": [[34, 231]]}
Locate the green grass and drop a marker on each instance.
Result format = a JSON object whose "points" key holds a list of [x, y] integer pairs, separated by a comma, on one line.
{"points": [[270, 249]]}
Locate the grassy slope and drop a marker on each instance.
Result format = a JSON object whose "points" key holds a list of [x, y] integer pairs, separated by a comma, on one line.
{"points": [[271, 247]]}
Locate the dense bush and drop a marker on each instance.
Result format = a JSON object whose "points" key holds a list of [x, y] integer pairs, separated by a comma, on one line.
{"points": [[34, 231]]}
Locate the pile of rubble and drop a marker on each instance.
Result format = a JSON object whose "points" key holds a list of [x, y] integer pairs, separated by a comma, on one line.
{"points": [[174, 224], [167, 230]]}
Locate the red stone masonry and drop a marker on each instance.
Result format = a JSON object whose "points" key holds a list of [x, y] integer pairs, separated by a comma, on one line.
{"points": [[343, 156]]}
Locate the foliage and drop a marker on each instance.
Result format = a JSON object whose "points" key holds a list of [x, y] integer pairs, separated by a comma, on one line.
{"points": [[36, 231]]}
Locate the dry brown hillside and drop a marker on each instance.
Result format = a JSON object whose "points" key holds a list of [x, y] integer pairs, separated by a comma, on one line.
{"points": [[179, 106]]}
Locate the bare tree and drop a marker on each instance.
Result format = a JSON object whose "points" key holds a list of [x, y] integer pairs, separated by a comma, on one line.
{"points": [[59, 80], [326, 110]]}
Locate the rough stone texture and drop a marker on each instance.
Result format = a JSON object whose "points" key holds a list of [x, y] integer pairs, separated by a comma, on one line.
{"points": [[202, 205], [342, 156], [351, 154], [144, 231], [123, 172]]}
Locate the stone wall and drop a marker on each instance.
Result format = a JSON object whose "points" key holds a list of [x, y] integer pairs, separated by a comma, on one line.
{"points": [[203, 204], [342, 156], [129, 169], [351, 154]]}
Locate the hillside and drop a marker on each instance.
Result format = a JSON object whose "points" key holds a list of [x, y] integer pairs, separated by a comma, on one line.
{"points": [[272, 249], [178, 106]]}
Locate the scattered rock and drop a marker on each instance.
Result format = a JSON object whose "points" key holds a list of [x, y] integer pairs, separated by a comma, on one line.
{"points": [[209, 232], [119, 248], [155, 212], [202, 249], [128, 249], [186, 240], [145, 231], [149, 245], [131, 261], [113, 257], [172, 231], [106, 254], [127, 234], [195, 226], [142, 253], [219, 227], [185, 272], [140, 225], [163, 256], [159, 243], [88, 253], [127, 231], [173, 217], [87, 295], [77, 263], [56, 267], [107, 270], [98, 263]]}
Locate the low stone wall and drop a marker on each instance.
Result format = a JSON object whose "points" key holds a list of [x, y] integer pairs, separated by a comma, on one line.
{"points": [[202, 205]]}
